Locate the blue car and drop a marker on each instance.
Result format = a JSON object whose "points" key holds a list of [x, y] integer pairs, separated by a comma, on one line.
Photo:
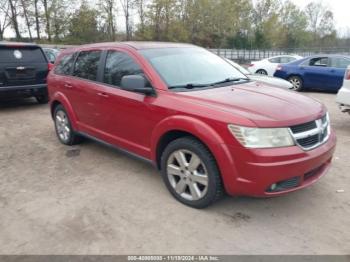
{"points": [[322, 72]]}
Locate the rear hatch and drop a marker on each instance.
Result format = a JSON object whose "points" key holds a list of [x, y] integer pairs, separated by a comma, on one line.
{"points": [[22, 65]]}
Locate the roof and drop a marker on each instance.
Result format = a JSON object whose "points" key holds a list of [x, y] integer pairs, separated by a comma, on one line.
{"points": [[150, 45], [17, 44], [138, 45], [328, 55]]}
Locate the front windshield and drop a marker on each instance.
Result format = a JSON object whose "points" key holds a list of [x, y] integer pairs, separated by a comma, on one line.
{"points": [[191, 66], [238, 67]]}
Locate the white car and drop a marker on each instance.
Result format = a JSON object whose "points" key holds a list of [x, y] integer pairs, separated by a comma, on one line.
{"points": [[268, 66], [278, 82], [343, 97]]}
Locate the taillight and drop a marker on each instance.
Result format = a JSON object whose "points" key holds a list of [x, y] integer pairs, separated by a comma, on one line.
{"points": [[347, 74], [279, 68], [251, 65], [50, 66]]}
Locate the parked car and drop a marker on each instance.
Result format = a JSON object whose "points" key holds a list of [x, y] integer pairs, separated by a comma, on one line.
{"points": [[322, 72], [51, 54], [202, 123], [268, 66], [23, 71], [343, 97], [274, 81]]}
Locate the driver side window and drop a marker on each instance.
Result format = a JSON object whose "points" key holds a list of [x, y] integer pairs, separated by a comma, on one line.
{"points": [[119, 64]]}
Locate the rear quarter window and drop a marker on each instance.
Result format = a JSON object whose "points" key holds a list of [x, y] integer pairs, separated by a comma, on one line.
{"points": [[275, 60], [22, 55], [65, 65]]}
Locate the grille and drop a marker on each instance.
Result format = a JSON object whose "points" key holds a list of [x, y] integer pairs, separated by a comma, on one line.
{"points": [[303, 127], [285, 184], [311, 134], [308, 141]]}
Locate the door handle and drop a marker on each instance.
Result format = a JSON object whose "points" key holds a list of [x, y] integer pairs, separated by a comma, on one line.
{"points": [[67, 85], [104, 95]]}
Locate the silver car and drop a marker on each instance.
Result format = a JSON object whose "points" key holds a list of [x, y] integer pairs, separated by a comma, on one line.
{"points": [[274, 81]]}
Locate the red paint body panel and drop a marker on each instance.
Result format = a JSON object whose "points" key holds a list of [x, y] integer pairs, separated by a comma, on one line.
{"points": [[136, 122]]}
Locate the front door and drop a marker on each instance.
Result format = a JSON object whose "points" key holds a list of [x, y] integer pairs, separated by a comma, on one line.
{"points": [[127, 116]]}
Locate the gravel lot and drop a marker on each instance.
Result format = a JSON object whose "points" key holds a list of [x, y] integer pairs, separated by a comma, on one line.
{"points": [[92, 199]]}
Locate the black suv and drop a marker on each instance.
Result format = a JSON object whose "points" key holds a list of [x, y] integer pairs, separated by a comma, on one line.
{"points": [[23, 71]]}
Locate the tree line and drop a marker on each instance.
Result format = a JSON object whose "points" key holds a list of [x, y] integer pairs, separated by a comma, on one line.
{"points": [[210, 23]]}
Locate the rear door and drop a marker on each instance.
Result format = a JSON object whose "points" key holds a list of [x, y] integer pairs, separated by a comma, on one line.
{"points": [[85, 93], [316, 72], [337, 69], [22, 65]]}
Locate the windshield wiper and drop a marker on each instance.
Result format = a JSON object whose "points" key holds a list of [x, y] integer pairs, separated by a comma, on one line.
{"points": [[189, 86], [227, 80], [194, 85]]}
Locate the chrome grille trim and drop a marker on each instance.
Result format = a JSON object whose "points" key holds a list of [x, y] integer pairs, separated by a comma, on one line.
{"points": [[321, 130]]}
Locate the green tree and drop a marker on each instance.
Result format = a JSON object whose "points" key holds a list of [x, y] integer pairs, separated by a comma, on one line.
{"points": [[83, 27]]}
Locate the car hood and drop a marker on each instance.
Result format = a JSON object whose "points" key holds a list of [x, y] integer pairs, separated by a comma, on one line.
{"points": [[278, 82], [264, 105]]}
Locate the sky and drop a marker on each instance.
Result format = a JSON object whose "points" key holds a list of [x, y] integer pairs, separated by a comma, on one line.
{"points": [[340, 10]]}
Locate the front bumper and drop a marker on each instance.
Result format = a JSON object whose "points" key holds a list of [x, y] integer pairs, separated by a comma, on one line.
{"points": [[23, 90], [290, 169]]}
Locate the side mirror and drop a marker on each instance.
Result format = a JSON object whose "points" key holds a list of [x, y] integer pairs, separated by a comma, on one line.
{"points": [[135, 83]]}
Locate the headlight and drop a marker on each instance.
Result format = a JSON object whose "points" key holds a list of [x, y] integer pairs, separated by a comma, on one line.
{"points": [[252, 137]]}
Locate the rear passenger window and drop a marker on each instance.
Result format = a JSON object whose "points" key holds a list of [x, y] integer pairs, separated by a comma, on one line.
{"points": [[119, 64], [86, 65], [319, 61], [65, 65], [286, 59]]}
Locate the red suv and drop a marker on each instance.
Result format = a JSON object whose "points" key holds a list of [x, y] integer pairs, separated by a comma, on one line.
{"points": [[204, 125]]}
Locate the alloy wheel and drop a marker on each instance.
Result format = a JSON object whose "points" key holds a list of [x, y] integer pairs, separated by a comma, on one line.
{"points": [[295, 82], [62, 126], [187, 175]]}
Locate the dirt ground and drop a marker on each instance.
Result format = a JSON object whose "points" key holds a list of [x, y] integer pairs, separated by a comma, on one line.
{"points": [[92, 199]]}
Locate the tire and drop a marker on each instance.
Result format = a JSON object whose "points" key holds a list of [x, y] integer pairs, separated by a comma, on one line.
{"points": [[261, 72], [195, 180], [297, 83], [42, 99], [64, 130]]}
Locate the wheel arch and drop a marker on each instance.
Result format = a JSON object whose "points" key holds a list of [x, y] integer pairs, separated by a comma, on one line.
{"points": [[295, 74], [61, 99], [176, 126], [179, 126]]}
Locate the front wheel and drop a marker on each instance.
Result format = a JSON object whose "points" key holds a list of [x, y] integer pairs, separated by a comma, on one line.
{"points": [[297, 83], [190, 173]]}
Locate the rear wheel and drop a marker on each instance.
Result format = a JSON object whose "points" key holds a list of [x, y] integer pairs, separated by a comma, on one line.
{"points": [[190, 173], [261, 72], [297, 83], [42, 99], [63, 127]]}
